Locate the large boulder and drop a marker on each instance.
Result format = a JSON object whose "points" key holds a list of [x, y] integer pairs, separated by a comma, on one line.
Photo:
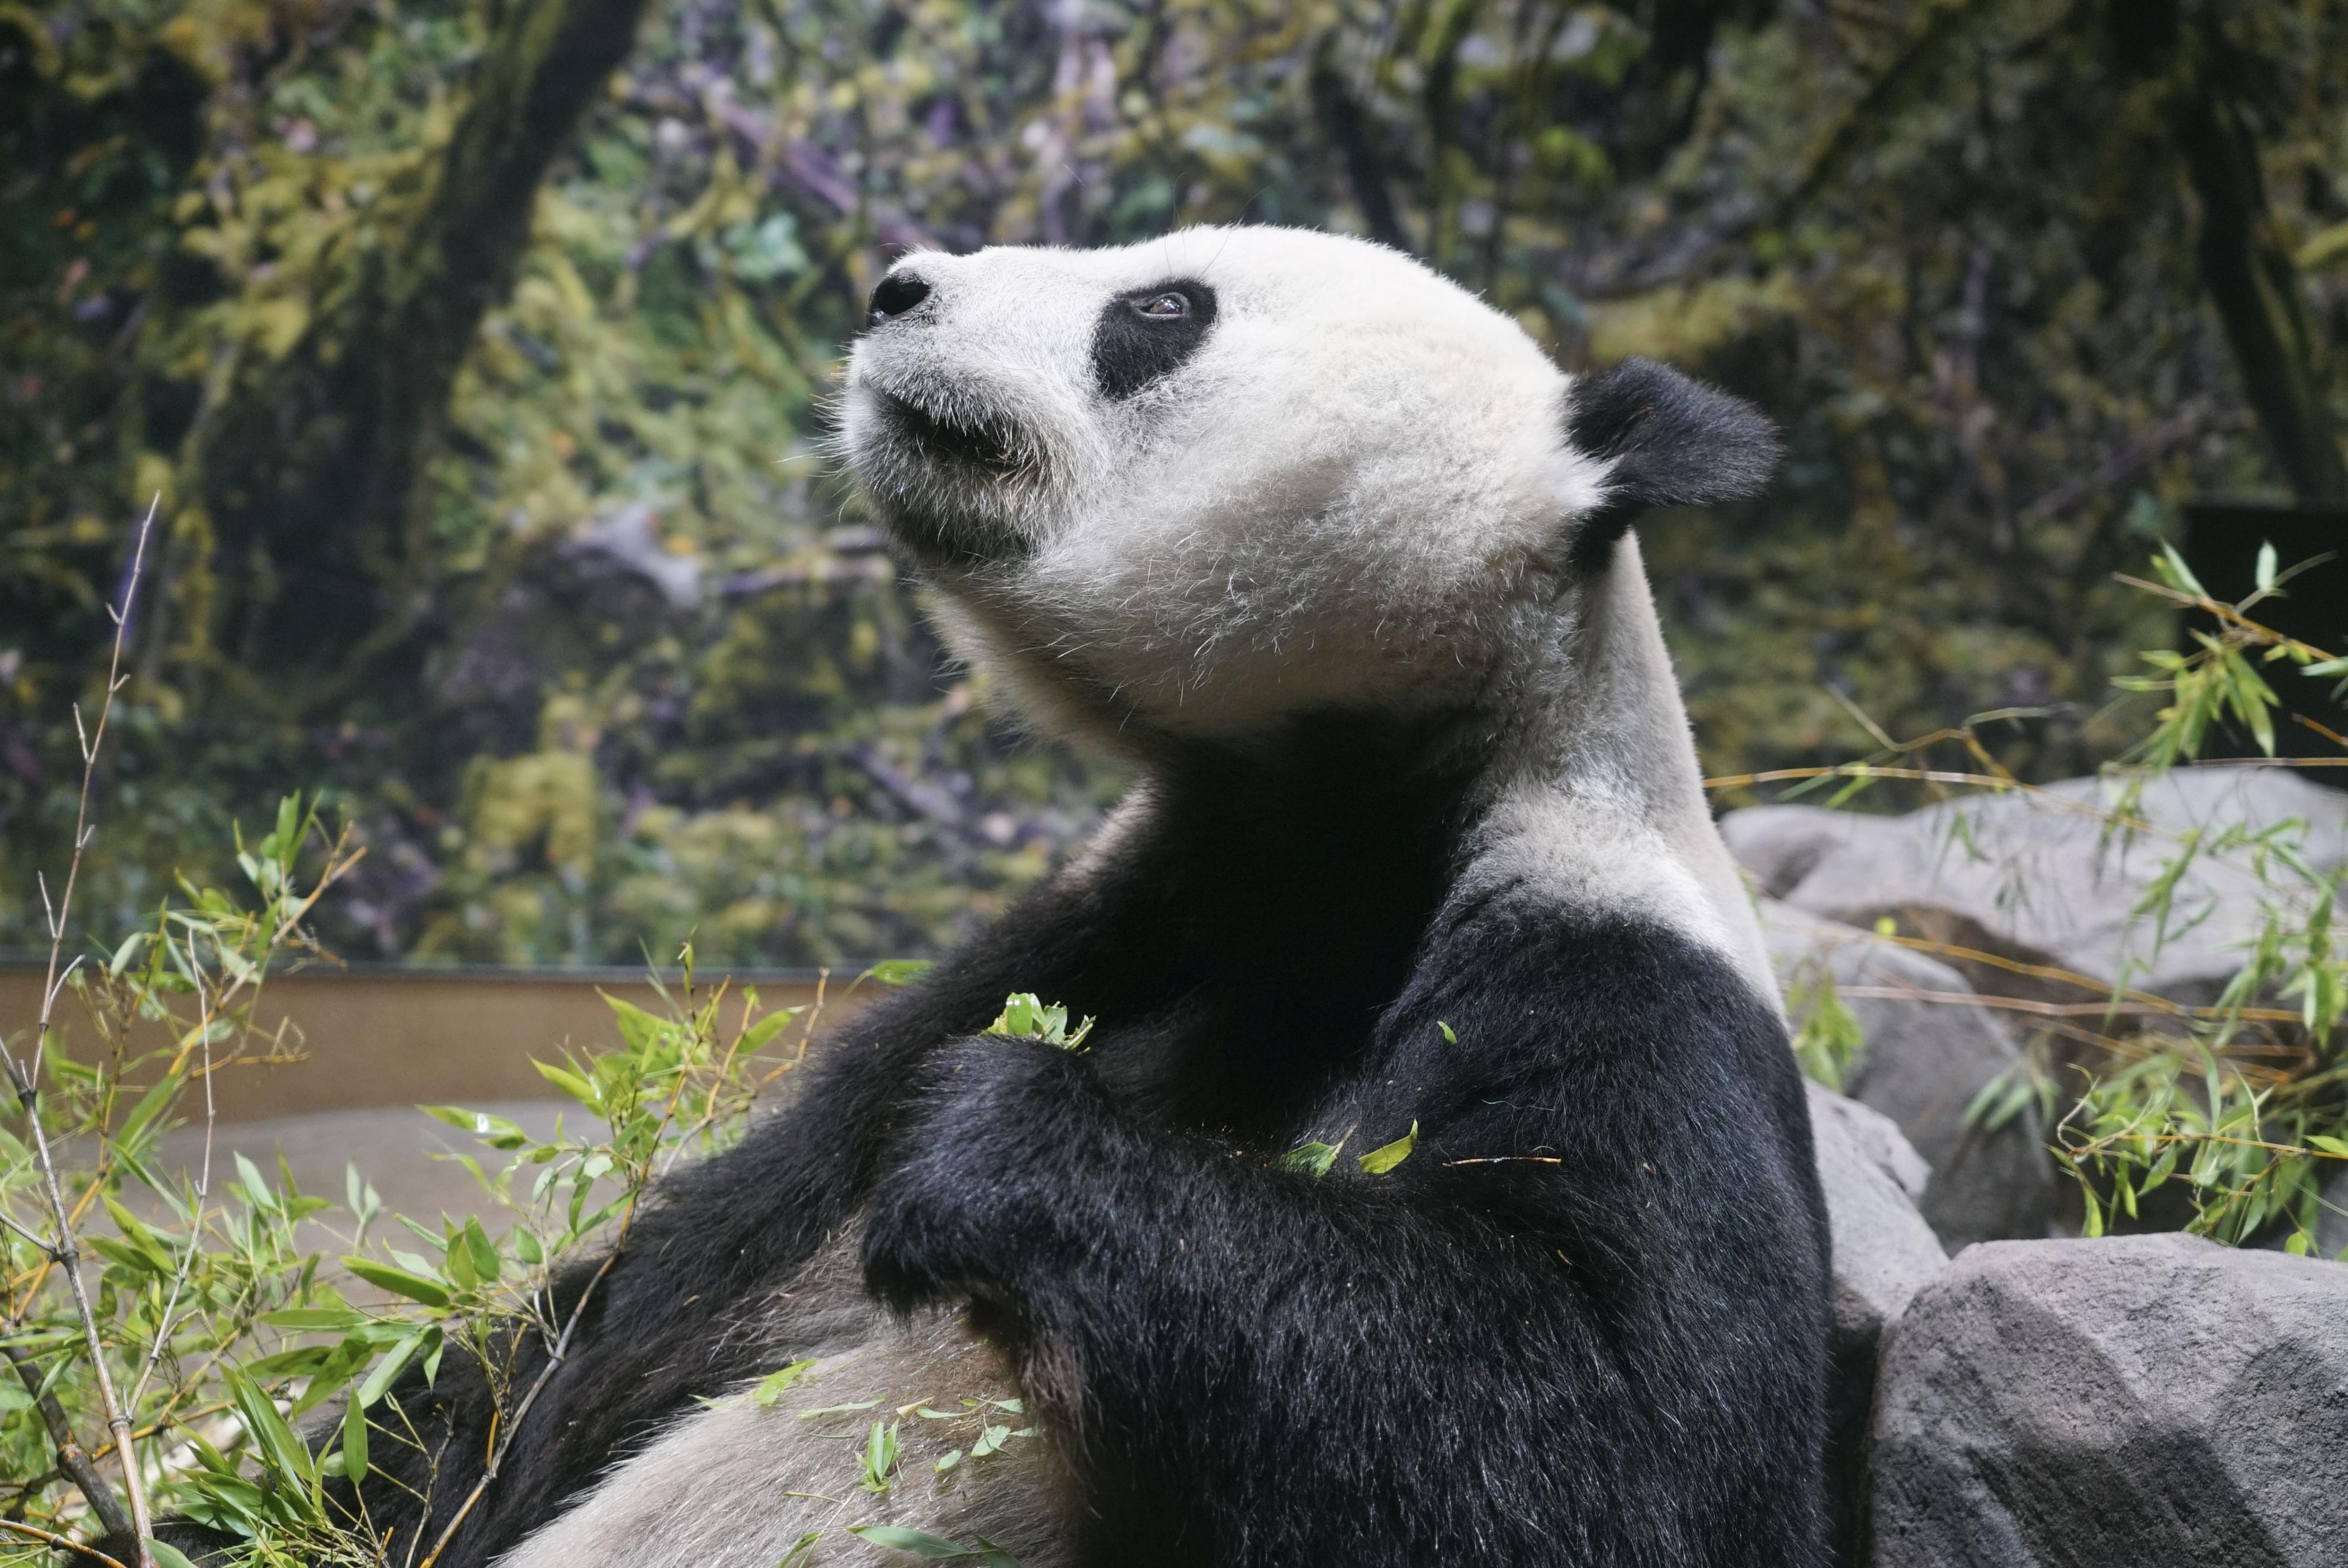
{"points": [[2037, 874], [2113, 1404], [1929, 1049], [1883, 1253]]}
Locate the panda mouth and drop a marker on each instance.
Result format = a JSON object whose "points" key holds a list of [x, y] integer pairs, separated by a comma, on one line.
{"points": [[992, 445]]}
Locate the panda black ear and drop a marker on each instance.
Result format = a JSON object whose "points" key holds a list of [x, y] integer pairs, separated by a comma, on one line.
{"points": [[1674, 442]]}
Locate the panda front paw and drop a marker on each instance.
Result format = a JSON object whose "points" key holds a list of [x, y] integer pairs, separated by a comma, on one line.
{"points": [[965, 1205]]}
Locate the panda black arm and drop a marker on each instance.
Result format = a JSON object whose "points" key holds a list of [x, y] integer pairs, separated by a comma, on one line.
{"points": [[757, 1212], [1583, 1322], [715, 1238]]}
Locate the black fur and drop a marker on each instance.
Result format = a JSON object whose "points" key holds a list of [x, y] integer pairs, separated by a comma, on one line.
{"points": [[1674, 442], [1605, 1347], [1131, 350]]}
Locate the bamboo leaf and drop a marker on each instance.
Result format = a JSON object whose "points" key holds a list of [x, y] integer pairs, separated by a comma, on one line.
{"points": [[2171, 567], [757, 1036], [571, 1084], [772, 1386], [355, 1442], [400, 1281], [1311, 1159], [285, 1456], [483, 1251], [923, 1544], [1380, 1161], [388, 1370]]}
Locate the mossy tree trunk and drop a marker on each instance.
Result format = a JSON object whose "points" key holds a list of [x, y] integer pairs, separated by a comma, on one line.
{"points": [[301, 565], [2210, 88]]}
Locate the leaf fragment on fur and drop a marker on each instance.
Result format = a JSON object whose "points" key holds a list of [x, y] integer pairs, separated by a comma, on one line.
{"points": [[1312, 1158], [1027, 1016], [1386, 1157], [837, 1409], [772, 1386], [936, 1548]]}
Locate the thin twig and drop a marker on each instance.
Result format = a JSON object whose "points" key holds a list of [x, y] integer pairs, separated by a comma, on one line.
{"points": [[1510, 1160], [521, 1412], [162, 1339], [562, 1346], [64, 1543], [2291, 1150], [2062, 1009], [48, 1248], [2136, 1000], [169, 1420], [2272, 761], [72, 1463], [27, 1085], [1861, 770], [2229, 614]]}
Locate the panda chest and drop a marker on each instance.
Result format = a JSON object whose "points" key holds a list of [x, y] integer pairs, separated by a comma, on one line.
{"points": [[1235, 1061]]}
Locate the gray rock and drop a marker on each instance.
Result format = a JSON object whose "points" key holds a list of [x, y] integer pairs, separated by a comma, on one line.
{"points": [[1925, 1058], [1883, 1252], [1874, 1138], [2033, 875], [1781, 846], [2113, 1404]]}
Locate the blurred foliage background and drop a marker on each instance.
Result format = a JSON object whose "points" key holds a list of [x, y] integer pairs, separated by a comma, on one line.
{"points": [[478, 350]]}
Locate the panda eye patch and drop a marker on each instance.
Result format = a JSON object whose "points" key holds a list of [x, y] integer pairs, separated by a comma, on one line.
{"points": [[1145, 334]]}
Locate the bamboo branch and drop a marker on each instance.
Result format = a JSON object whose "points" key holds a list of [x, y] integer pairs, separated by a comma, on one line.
{"points": [[47, 1247], [555, 1359], [68, 1251], [162, 1339], [2060, 1009], [74, 1464], [2230, 614], [643, 1179], [64, 1544]]}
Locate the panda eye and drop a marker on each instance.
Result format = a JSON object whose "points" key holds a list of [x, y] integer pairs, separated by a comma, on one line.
{"points": [[1149, 334]]}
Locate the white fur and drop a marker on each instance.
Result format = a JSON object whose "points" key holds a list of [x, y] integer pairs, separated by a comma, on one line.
{"points": [[1359, 491], [741, 1482], [1601, 802]]}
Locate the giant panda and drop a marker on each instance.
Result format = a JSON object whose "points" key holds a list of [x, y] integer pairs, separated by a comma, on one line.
{"points": [[1339, 562]]}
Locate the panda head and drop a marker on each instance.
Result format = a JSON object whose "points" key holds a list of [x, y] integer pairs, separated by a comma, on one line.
{"points": [[1192, 487]]}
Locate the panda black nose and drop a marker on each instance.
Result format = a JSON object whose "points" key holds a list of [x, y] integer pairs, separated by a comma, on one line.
{"points": [[898, 292]]}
